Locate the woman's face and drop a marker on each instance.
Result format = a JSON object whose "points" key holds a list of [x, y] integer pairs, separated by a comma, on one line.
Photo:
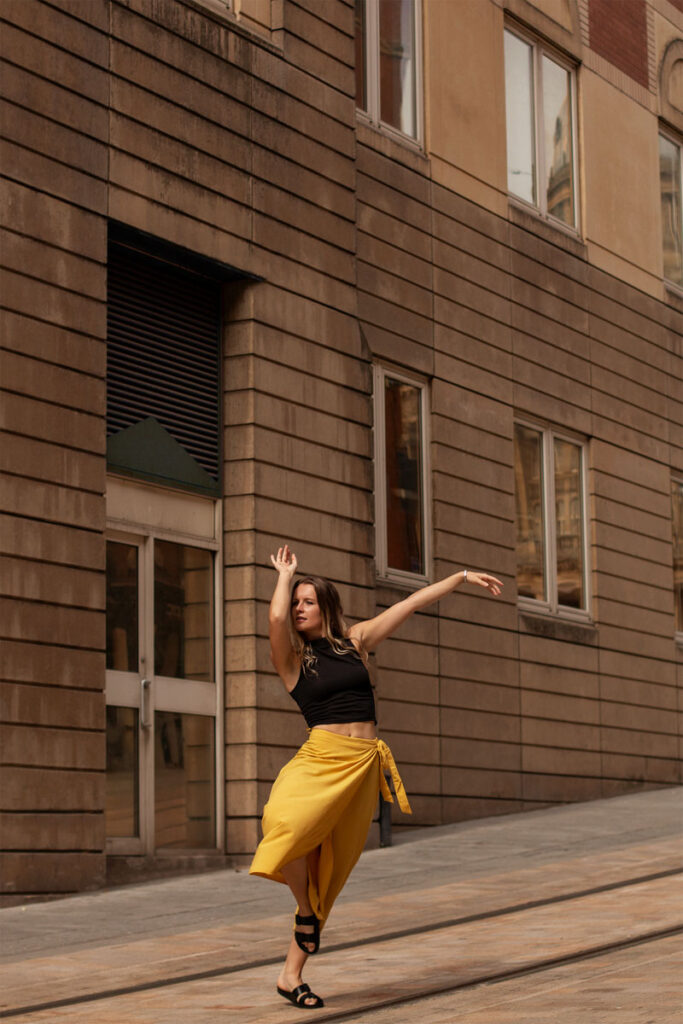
{"points": [[306, 615]]}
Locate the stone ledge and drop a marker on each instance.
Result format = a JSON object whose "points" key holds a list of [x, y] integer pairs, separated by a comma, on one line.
{"points": [[558, 629]]}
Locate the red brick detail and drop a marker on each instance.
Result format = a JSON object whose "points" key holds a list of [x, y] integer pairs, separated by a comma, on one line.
{"points": [[618, 32], [677, 3]]}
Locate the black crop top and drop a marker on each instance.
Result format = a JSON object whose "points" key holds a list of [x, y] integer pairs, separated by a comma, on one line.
{"points": [[340, 692]]}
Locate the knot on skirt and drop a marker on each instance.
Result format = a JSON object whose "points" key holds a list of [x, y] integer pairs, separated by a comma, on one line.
{"points": [[388, 764]]}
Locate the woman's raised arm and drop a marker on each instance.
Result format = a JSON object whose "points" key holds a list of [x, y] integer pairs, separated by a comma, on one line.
{"points": [[371, 632], [281, 651]]}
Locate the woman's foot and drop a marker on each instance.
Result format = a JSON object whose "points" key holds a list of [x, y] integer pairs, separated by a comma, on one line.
{"points": [[298, 993]]}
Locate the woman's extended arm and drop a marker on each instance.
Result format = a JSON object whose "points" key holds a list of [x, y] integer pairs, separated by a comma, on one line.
{"points": [[281, 651], [373, 631]]}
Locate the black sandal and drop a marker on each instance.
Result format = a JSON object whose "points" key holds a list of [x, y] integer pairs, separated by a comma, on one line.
{"points": [[299, 996], [308, 937]]}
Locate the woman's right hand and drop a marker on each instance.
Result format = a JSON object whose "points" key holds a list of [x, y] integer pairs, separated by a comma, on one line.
{"points": [[285, 561]]}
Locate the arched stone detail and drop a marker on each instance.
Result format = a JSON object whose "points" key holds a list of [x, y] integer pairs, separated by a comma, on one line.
{"points": [[671, 84]]}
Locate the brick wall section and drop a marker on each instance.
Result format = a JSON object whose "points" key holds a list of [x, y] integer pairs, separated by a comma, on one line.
{"points": [[618, 32], [55, 127]]}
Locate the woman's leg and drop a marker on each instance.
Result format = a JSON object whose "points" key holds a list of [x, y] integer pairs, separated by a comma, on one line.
{"points": [[296, 876], [290, 975]]}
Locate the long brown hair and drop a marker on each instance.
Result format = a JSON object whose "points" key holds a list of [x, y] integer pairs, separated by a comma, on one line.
{"points": [[333, 625]]}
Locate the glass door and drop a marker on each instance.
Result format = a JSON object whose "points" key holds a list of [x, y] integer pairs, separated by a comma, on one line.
{"points": [[182, 697], [123, 694], [161, 695]]}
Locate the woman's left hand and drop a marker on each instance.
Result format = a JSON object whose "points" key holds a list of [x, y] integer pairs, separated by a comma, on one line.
{"points": [[490, 583]]}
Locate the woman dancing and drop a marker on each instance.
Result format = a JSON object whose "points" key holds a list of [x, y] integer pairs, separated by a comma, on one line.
{"points": [[320, 807]]}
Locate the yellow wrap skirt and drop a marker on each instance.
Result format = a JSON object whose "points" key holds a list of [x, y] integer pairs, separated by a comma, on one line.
{"points": [[320, 807]]}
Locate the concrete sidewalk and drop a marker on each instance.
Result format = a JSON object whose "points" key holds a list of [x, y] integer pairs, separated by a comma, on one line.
{"points": [[473, 890]]}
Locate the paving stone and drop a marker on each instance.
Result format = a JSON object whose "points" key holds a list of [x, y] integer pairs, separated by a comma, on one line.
{"points": [[450, 880]]}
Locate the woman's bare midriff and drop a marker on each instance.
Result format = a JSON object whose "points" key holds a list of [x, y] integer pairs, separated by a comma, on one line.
{"points": [[356, 730]]}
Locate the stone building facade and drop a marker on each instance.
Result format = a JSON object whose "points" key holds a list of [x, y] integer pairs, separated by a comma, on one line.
{"points": [[397, 282]]}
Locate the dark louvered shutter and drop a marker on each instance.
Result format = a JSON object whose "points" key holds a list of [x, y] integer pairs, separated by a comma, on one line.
{"points": [[163, 344]]}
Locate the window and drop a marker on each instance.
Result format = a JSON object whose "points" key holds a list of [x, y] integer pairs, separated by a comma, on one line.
{"points": [[164, 315], [388, 63], [540, 111], [671, 190], [550, 499], [163, 332], [677, 502], [401, 477]]}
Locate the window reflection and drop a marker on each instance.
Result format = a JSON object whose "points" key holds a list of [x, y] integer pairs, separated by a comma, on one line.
{"points": [[540, 129], [529, 503], [183, 611], [403, 433], [519, 105], [397, 64], [184, 780], [122, 607], [557, 117], [569, 535], [121, 813], [677, 498], [672, 209]]}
